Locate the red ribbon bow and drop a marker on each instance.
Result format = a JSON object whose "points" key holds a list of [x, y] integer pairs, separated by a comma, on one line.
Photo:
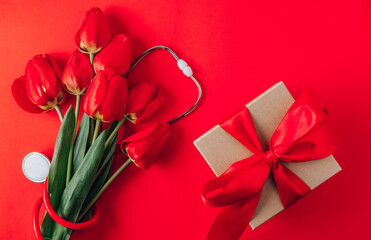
{"points": [[299, 137]]}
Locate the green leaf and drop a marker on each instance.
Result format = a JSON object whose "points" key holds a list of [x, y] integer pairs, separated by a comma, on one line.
{"points": [[98, 184], [77, 190], [46, 226], [81, 142], [58, 167]]}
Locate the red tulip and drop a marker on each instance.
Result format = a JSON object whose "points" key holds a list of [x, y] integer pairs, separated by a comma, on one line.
{"points": [[94, 32], [40, 89], [106, 97], [117, 54], [77, 74], [143, 101], [145, 146]]}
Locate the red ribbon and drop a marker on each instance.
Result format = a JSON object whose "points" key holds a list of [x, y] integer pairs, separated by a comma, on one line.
{"points": [[300, 136]]}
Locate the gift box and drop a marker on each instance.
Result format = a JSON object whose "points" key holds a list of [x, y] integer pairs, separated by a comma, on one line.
{"points": [[221, 150]]}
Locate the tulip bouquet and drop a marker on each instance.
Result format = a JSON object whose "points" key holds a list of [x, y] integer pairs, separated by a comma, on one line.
{"points": [[81, 164]]}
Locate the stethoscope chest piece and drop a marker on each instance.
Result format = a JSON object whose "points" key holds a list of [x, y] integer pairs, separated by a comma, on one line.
{"points": [[35, 167]]}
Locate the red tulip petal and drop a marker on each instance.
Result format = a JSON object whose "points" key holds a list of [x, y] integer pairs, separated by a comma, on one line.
{"points": [[145, 150], [54, 65], [34, 85], [151, 109], [141, 134], [149, 156], [95, 94], [20, 96], [57, 91], [111, 72], [114, 103], [116, 54], [140, 95], [50, 75]]}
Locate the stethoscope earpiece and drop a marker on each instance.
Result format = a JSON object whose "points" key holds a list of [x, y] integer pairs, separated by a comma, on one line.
{"points": [[35, 167]]}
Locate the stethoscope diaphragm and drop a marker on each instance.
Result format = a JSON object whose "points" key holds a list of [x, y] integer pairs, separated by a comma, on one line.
{"points": [[35, 167]]}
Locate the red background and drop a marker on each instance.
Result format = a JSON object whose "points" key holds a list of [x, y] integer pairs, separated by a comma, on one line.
{"points": [[237, 50]]}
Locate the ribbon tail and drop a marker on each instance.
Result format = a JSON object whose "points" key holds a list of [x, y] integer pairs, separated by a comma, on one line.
{"points": [[290, 187], [232, 220]]}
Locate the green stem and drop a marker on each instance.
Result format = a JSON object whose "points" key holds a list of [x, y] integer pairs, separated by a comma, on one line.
{"points": [[69, 162], [91, 56], [104, 187], [70, 154], [60, 114], [96, 130], [77, 109], [114, 132], [91, 132]]}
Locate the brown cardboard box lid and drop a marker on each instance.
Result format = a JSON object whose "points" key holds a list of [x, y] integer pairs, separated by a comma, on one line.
{"points": [[220, 150]]}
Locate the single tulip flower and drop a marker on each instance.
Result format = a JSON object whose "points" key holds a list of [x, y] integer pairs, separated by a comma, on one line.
{"points": [[94, 32], [143, 101], [77, 74], [105, 99], [40, 89], [116, 54], [144, 147]]}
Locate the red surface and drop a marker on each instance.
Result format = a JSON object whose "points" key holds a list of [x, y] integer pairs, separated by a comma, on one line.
{"points": [[237, 50]]}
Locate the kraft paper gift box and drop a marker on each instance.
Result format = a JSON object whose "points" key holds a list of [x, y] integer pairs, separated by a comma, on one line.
{"points": [[220, 150]]}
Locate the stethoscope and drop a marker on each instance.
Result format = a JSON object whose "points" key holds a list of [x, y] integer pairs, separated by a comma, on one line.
{"points": [[36, 165]]}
